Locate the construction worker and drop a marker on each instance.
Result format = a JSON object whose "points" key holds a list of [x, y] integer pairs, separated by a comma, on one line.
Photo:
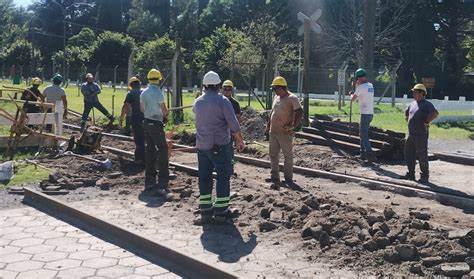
{"points": [[32, 94], [132, 100], [227, 89], [90, 90], [152, 104], [55, 93], [419, 115], [215, 123], [364, 93], [285, 118]]}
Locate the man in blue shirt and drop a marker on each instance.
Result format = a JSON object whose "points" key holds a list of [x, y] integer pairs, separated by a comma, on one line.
{"points": [[215, 122], [90, 90], [152, 104], [419, 115], [133, 101]]}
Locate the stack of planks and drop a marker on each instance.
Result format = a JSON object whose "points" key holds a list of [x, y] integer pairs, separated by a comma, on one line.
{"points": [[345, 136]]}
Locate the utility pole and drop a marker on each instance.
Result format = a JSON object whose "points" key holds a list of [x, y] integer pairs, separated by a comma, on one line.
{"points": [[269, 78], [369, 37], [176, 98]]}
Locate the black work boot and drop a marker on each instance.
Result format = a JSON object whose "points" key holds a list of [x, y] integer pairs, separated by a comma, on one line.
{"points": [[205, 218], [424, 179], [83, 125], [408, 176]]}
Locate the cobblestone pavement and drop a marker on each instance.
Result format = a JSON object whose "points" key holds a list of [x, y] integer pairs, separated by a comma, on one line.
{"points": [[220, 245], [35, 245]]}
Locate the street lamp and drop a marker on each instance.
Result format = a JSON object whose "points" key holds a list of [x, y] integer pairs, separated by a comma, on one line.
{"points": [[63, 10]]}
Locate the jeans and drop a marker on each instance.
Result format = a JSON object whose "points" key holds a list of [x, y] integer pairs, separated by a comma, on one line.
{"points": [[156, 149], [364, 126], [285, 143], [139, 139], [88, 107], [417, 146], [220, 160]]}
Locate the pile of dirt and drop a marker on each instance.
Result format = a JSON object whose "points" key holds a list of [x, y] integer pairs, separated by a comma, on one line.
{"points": [[360, 238], [254, 123]]}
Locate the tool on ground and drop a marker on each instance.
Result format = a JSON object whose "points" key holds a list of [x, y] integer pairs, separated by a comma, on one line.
{"points": [[38, 165], [106, 164]]}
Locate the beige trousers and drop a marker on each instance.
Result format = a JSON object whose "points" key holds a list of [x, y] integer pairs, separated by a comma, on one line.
{"points": [[285, 143]]}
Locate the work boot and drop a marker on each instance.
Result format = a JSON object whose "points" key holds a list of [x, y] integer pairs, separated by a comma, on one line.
{"points": [[226, 216], [371, 158], [272, 179], [423, 180], [83, 125], [161, 192], [205, 217], [408, 176]]}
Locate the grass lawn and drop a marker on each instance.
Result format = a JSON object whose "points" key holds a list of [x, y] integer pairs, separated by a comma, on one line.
{"points": [[26, 173], [386, 117]]}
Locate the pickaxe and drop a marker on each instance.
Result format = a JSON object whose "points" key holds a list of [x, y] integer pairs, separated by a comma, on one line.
{"points": [[106, 164]]}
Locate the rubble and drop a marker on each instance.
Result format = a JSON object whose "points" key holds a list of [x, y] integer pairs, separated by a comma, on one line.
{"points": [[453, 269]]}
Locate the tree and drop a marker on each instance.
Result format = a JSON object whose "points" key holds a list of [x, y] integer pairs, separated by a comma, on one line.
{"points": [[144, 24], [21, 53], [84, 39], [154, 54], [110, 15], [112, 49]]}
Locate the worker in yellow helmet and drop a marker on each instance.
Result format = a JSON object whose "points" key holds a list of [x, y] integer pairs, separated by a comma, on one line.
{"points": [[32, 94], [285, 118], [153, 106]]}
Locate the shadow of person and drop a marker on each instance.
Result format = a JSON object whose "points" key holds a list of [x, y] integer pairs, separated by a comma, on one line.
{"points": [[151, 200], [128, 167], [226, 241], [384, 172]]}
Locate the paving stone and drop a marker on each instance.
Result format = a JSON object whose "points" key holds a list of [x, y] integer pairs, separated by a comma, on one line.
{"points": [[29, 224], [167, 276], [6, 274], [39, 229], [89, 240], [8, 250], [15, 257], [99, 262], [70, 248], [24, 266], [115, 271], [25, 242], [49, 235], [78, 272], [63, 264], [133, 261], [8, 230], [77, 234], [61, 241], [4, 242], [292, 264], [50, 256], [85, 254], [176, 243], [65, 228], [17, 235], [103, 246], [150, 270], [117, 253], [37, 249], [24, 219], [135, 276], [37, 274]]}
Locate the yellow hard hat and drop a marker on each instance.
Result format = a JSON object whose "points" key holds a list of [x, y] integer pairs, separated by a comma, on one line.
{"points": [[419, 86], [154, 76], [36, 81], [279, 81], [228, 83], [133, 79]]}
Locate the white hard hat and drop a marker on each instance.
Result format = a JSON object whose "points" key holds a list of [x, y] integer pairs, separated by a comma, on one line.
{"points": [[211, 78]]}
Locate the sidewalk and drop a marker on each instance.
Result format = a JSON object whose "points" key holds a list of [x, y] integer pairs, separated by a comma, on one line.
{"points": [[35, 245]]}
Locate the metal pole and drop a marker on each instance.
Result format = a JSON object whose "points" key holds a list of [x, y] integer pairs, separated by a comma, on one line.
{"points": [[64, 43], [299, 72], [306, 72], [115, 77]]}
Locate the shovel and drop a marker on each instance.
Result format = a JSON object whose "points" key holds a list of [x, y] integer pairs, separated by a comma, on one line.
{"points": [[106, 164]]}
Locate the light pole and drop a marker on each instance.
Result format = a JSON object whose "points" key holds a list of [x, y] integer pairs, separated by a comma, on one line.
{"points": [[63, 10]]}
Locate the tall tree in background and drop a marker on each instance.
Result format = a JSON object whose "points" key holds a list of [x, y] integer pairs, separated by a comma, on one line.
{"points": [[160, 8], [110, 15]]}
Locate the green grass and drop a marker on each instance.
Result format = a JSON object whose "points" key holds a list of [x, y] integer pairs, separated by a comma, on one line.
{"points": [[386, 116], [26, 173]]}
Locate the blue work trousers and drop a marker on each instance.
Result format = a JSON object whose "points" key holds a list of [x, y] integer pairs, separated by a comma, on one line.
{"points": [[364, 126]]}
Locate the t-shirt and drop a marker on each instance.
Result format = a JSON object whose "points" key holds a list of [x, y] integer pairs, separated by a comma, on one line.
{"points": [[283, 113], [418, 113], [53, 93], [151, 98], [235, 105], [365, 95], [133, 98], [215, 120]]}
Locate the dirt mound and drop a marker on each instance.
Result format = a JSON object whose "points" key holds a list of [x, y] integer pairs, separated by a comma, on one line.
{"points": [[254, 123]]}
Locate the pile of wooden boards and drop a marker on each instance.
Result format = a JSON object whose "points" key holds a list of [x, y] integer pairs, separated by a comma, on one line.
{"points": [[345, 136]]}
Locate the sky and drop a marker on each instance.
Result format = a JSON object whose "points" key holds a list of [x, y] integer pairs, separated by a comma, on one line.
{"points": [[23, 3]]}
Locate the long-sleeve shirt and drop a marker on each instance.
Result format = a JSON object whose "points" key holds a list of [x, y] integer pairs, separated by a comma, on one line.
{"points": [[215, 120], [90, 90]]}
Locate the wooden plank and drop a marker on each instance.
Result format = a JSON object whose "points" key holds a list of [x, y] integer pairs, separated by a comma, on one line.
{"points": [[33, 119], [454, 158]]}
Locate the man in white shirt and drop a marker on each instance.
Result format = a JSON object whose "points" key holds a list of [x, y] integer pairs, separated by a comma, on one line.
{"points": [[364, 93], [54, 92]]}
